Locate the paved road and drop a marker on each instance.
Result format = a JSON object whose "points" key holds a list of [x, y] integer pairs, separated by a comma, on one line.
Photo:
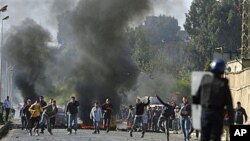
{"points": [[86, 135]]}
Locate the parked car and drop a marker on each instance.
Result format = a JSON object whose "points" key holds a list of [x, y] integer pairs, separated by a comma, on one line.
{"points": [[61, 119]]}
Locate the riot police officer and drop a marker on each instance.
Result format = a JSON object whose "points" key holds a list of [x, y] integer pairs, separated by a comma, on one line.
{"points": [[214, 95]]}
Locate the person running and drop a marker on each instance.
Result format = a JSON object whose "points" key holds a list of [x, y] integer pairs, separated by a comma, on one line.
{"points": [[71, 112], [23, 118], [43, 104], [130, 117], [36, 111], [49, 111], [139, 111], [96, 116], [27, 115], [166, 114], [107, 109]]}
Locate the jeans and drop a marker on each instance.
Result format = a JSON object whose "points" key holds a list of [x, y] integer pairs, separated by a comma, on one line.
{"points": [[175, 124], [72, 122], [23, 121], [154, 126], [7, 110], [107, 123], [45, 119], [28, 123], [96, 126], [138, 120], [185, 126]]}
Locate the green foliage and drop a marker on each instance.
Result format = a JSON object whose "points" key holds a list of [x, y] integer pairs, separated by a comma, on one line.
{"points": [[183, 86], [159, 47], [62, 90], [212, 24]]}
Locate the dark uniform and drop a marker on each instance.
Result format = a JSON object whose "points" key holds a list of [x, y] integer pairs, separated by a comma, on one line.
{"points": [[213, 95]]}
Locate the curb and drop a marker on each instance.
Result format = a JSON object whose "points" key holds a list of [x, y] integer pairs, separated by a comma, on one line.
{"points": [[4, 129]]}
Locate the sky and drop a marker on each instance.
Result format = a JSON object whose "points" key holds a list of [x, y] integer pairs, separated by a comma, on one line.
{"points": [[44, 12]]}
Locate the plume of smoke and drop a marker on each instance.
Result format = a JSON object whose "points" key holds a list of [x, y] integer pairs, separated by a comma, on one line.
{"points": [[98, 29], [26, 49], [43, 12], [150, 85]]}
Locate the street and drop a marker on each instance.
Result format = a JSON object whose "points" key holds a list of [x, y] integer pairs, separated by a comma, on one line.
{"points": [[16, 134], [86, 135]]}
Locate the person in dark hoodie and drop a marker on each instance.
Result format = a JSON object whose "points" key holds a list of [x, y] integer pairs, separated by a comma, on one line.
{"points": [[214, 95], [139, 111]]}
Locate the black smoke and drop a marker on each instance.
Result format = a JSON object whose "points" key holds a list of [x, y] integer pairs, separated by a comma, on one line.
{"points": [[26, 49], [96, 29]]}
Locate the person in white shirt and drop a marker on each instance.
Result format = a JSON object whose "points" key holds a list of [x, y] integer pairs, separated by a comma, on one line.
{"points": [[7, 106], [96, 116]]}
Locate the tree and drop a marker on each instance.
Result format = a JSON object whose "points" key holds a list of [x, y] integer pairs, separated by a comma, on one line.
{"points": [[212, 24]]}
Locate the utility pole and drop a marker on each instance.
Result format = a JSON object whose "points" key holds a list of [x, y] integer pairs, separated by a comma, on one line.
{"points": [[3, 9], [244, 29]]}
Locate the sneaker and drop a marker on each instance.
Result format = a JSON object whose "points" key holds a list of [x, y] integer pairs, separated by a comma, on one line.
{"points": [[69, 133], [98, 131], [107, 130], [94, 132], [50, 133], [37, 134], [75, 132]]}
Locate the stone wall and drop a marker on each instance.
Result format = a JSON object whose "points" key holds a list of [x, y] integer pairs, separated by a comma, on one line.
{"points": [[240, 88]]}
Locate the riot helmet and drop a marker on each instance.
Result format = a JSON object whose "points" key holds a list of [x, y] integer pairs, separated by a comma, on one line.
{"points": [[218, 66]]}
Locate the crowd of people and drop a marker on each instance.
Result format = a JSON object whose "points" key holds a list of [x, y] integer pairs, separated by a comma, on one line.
{"points": [[143, 117], [40, 115], [169, 116], [213, 95]]}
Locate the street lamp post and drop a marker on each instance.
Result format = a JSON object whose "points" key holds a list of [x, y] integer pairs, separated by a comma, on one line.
{"points": [[6, 63], [3, 9]]}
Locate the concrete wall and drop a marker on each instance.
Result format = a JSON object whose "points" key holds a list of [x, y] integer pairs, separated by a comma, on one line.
{"points": [[240, 88]]}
